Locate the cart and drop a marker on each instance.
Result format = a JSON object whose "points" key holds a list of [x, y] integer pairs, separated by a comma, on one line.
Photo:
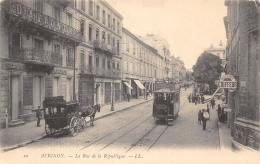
{"points": [[60, 115]]}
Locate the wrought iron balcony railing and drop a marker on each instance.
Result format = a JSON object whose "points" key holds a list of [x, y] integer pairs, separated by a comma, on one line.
{"points": [[104, 47], [103, 72], [36, 18], [35, 56]]}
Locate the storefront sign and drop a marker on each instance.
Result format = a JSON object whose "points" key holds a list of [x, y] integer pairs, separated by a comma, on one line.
{"points": [[59, 71], [228, 82]]}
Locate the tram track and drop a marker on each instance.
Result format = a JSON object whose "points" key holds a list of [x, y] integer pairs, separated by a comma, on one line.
{"points": [[121, 133], [163, 130]]}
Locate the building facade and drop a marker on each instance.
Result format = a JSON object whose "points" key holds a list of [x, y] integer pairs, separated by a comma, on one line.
{"points": [[99, 56], [178, 70], [163, 49], [38, 44], [219, 51], [242, 31], [140, 66]]}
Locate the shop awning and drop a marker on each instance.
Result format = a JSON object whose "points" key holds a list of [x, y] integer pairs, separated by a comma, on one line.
{"points": [[128, 85], [139, 84]]}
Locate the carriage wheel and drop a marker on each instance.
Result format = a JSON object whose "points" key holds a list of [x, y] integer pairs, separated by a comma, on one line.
{"points": [[49, 131], [82, 124], [74, 126]]}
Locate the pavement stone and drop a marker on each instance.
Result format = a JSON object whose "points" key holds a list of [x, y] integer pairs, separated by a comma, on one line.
{"points": [[14, 137]]}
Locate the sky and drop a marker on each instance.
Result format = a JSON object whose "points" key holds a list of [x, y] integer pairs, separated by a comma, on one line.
{"points": [[189, 26]]}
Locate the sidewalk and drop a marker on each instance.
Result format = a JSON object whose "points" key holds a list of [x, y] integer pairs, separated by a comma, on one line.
{"points": [[224, 132], [15, 137]]}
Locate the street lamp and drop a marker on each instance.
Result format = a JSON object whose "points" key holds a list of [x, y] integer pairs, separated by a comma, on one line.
{"points": [[112, 104]]}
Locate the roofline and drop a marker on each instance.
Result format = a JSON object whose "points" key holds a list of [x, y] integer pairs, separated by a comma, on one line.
{"points": [[110, 7], [140, 41]]}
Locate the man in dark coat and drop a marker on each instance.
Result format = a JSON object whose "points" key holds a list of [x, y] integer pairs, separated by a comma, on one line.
{"points": [[204, 120], [38, 116]]}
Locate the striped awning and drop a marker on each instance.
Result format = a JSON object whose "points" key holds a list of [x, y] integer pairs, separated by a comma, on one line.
{"points": [[129, 86], [139, 84]]}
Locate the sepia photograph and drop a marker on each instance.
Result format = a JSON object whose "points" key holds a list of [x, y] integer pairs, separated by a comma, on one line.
{"points": [[130, 81]]}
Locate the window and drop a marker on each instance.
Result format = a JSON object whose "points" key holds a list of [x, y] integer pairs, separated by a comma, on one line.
{"points": [[90, 61], [56, 85], [91, 7], [103, 63], [114, 65], [90, 33], [104, 17], [127, 47], [97, 62], [114, 24], [108, 64], [39, 6], [38, 44], [70, 57], [103, 36], [97, 34], [108, 39], [69, 89], [98, 12], [114, 44], [57, 13], [118, 27], [56, 48], [69, 19], [108, 21], [134, 49], [82, 28], [82, 7], [117, 46], [82, 62], [117, 65]]}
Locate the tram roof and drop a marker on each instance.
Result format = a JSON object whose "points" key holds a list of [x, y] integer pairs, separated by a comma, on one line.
{"points": [[166, 90]]}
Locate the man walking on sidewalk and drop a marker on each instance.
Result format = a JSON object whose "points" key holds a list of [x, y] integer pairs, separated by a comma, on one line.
{"points": [[39, 115]]}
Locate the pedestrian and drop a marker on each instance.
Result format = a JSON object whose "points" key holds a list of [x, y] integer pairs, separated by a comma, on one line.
{"points": [[202, 99], [205, 117], [219, 110], [128, 97], [212, 102], [147, 93], [198, 99], [193, 98], [199, 117], [38, 116], [208, 110]]}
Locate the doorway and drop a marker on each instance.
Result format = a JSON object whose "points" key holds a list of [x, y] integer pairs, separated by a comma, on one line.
{"points": [[15, 97]]}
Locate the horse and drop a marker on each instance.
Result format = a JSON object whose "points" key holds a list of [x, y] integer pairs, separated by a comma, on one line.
{"points": [[91, 112]]}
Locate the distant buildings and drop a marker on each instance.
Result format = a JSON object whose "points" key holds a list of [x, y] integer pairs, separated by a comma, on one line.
{"points": [[243, 63], [219, 51]]}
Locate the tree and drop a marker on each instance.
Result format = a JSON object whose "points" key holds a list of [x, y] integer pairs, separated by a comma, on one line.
{"points": [[207, 69]]}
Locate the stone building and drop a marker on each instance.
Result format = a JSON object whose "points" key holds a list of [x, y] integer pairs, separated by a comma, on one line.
{"points": [[178, 69], [242, 32], [219, 51], [140, 66], [163, 48], [99, 55], [38, 43]]}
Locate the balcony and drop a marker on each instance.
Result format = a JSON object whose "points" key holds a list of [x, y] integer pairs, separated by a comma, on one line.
{"points": [[38, 20], [32, 55], [65, 3], [100, 72], [102, 46]]}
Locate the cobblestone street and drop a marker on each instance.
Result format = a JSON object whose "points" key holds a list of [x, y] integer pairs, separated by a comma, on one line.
{"points": [[135, 130]]}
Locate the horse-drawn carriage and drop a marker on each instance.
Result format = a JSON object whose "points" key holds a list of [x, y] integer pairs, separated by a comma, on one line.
{"points": [[166, 103], [60, 115]]}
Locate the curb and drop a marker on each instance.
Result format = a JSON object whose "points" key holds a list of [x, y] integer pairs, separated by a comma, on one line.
{"points": [[44, 135], [221, 144]]}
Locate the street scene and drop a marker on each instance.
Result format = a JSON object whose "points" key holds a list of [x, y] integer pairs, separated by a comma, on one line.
{"points": [[146, 81]]}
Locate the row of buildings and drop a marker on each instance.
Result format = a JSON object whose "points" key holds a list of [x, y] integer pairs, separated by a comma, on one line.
{"points": [[243, 63], [76, 49]]}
